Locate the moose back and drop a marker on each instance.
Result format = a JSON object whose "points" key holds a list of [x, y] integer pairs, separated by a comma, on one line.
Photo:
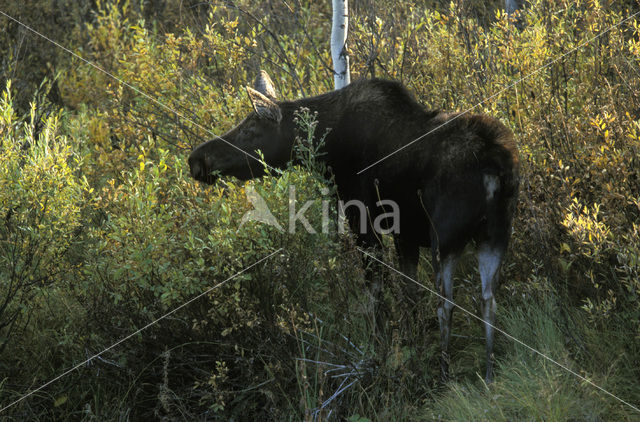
{"points": [[455, 185]]}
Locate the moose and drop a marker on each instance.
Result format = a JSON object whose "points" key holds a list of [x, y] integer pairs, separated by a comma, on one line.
{"points": [[457, 184]]}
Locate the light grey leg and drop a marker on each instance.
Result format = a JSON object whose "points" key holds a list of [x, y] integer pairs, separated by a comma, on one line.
{"points": [[489, 260], [444, 282]]}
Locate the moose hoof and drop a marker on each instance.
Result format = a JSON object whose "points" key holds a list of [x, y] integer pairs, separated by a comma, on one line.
{"points": [[488, 378]]}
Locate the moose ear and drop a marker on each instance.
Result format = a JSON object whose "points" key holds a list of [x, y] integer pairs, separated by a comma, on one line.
{"points": [[265, 108], [264, 85]]}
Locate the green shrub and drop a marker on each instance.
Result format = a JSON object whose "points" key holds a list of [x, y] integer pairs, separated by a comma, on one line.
{"points": [[42, 197], [40, 204]]}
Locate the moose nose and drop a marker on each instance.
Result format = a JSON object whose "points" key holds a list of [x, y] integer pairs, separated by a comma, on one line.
{"points": [[196, 168]]}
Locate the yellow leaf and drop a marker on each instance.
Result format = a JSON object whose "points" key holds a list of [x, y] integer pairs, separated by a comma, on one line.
{"points": [[141, 165]]}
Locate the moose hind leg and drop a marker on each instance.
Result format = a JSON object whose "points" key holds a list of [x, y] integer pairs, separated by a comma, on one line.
{"points": [[444, 282], [489, 260]]}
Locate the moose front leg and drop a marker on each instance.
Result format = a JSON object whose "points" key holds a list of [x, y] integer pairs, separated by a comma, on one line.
{"points": [[444, 282]]}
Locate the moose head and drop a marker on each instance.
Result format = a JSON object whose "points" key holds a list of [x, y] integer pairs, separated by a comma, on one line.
{"points": [[263, 129]]}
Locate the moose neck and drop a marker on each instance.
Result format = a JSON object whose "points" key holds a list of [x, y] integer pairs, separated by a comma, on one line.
{"points": [[324, 105]]}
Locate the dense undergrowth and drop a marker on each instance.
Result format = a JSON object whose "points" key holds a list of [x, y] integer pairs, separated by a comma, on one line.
{"points": [[102, 231]]}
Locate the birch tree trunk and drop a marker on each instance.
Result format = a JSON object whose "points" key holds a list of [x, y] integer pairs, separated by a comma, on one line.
{"points": [[339, 54], [511, 6]]}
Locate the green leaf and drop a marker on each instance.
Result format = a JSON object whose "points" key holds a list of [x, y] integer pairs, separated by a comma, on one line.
{"points": [[60, 401]]}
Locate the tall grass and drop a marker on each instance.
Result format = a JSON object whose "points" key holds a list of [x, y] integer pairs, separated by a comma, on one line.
{"points": [[529, 387]]}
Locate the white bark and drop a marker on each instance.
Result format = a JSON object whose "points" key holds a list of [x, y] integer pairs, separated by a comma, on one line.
{"points": [[511, 6], [339, 54], [514, 10]]}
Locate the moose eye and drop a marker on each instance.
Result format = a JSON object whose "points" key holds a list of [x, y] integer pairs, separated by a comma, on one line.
{"points": [[248, 132]]}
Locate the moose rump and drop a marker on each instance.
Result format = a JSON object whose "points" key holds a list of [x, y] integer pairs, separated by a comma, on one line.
{"points": [[457, 184]]}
